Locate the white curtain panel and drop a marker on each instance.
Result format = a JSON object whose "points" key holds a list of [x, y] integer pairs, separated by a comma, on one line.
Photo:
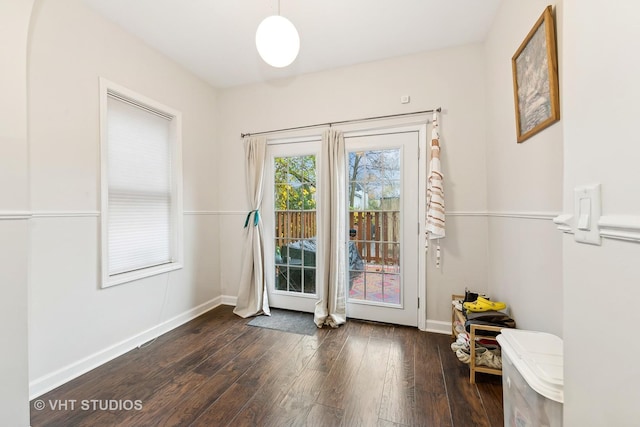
{"points": [[252, 295], [331, 309]]}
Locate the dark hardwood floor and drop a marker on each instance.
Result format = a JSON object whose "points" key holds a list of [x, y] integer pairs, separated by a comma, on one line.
{"points": [[216, 371]]}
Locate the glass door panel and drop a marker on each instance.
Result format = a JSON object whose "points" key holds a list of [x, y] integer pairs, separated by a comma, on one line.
{"points": [[295, 224], [374, 224], [383, 194], [290, 210]]}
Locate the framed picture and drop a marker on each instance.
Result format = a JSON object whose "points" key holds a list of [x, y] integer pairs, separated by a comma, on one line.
{"points": [[535, 79]]}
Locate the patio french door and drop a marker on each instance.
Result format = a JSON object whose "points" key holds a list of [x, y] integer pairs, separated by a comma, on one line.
{"points": [[384, 189], [384, 243], [292, 263]]}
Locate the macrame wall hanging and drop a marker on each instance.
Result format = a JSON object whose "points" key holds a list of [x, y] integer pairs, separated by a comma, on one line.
{"points": [[435, 192]]}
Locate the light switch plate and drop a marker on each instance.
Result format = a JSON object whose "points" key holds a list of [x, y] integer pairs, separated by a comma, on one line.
{"points": [[587, 211]]}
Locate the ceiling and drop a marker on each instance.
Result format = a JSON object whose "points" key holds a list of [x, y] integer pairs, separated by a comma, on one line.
{"points": [[215, 39]]}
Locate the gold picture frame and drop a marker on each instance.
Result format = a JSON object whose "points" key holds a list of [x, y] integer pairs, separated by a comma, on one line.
{"points": [[535, 79]]}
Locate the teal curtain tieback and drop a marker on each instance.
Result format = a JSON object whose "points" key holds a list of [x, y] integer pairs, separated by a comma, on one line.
{"points": [[256, 218]]}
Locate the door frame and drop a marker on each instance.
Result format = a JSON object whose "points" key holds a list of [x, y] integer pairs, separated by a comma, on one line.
{"points": [[421, 128]]}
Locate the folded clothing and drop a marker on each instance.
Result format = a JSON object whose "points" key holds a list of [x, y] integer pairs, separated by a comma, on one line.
{"points": [[492, 317], [489, 318], [467, 327]]}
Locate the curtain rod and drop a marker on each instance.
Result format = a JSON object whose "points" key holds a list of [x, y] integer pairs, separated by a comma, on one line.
{"points": [[439, 109]]}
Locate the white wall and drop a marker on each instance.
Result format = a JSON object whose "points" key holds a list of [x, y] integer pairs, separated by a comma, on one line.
{"points": [[601, 94], [73, 323], [524, 183], [517, 259], [451, 78], [14, 198]]}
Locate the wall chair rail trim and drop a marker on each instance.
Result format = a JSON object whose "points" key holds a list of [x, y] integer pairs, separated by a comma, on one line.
{"points": [[546, 216], [216, 212], [564, 223], [617, 227], [65, 214], [14, 215], [620, 227]]}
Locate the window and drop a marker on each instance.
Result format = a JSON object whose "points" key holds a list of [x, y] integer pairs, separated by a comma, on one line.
{"points": [[141, 195]]}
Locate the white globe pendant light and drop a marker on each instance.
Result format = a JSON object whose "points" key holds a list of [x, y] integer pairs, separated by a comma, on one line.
{"points": [[277, 41]]}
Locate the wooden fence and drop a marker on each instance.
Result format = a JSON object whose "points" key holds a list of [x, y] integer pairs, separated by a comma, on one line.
{"points": [[376, 234], [295, 226]]}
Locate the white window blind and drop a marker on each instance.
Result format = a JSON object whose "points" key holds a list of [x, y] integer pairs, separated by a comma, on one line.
{"points": [[140, 222]]}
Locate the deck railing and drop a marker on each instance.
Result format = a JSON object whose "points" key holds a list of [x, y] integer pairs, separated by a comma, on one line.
{"points": [[376, 234]]}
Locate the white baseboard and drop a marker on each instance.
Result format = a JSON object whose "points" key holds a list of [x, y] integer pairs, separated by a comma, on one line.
{"points": [[48, 382], [439, 327], [229, 300]]}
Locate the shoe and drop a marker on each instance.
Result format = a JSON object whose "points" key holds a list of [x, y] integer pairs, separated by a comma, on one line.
{"points": [[483, 304], [462, 341], [469, 296], [494, 305], [489, 359], [465, 355], [455, 346], [459, 345]]}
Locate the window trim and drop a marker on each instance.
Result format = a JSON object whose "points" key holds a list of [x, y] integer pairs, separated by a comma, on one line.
{"points": [[175, 136]]}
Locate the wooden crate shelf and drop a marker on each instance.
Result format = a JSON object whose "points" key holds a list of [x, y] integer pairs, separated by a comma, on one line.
{"points": [[476, 332]]}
